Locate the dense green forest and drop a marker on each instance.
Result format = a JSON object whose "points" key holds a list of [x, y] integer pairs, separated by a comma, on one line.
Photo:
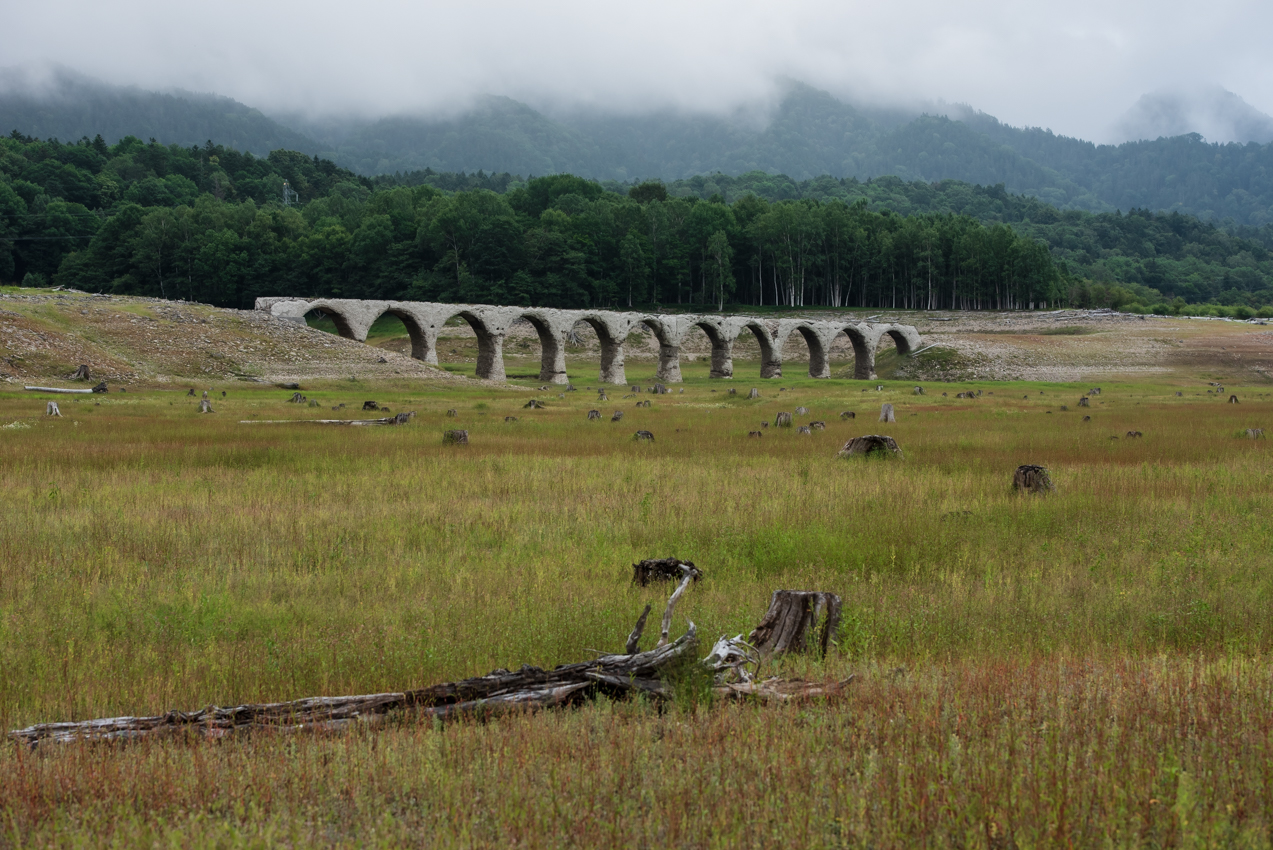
{"points": [[211, 224]]}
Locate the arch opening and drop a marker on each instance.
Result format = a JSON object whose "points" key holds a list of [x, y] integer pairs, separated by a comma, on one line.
{"points": [[328, 319], [817, 353], [611, 371], [398, 330], [851, 344], [770, 357], [722, 349], [552, 346], [483, 348], [899, 339]]}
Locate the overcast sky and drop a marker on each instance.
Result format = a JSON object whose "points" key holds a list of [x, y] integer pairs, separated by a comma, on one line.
{"points": [[1071, 66]]}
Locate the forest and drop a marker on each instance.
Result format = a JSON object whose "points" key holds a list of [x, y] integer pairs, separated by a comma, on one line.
{"points": [[211, 224]]}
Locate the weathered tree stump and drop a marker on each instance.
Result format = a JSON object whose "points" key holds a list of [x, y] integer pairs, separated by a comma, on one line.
{"points": [[313, 402], [205, 406], [1179, 394], [755, 393], [801, 411], [618, 414], [101, 387], [782, 420], [510, 418], [871, 445], [601, 396], [804, 429], [848, 414], [818, 425], [1087, 419], [594, 414], [404, 417], [659, 389], [534, 404], [1031, 478], [643, 436], [51, 409], [964, 395], [795, 616], [1094, 391], [917, 391], [455, 438], [662, 569], [370, 405], [1233, 399], [645, 403], [1065, 407], [886, 413], [1134, 434], [733, 391], [879, 388], [1084, 401], [755, 434], [764, 424], [191, 393], [81, 374], [452, 413], [1255, 433]]}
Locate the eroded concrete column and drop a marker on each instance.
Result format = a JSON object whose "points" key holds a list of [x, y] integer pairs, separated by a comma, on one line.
{"points": [[669, 371], [612, 362], [722, 358]]}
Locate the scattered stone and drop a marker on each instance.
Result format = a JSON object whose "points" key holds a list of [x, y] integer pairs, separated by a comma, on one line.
{"points": [[643, 436], [594, 414], [455, 438], [886, 413], [871, 445], [782, 420], [1031, 478]]}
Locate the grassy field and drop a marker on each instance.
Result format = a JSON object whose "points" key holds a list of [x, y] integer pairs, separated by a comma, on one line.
{"points": [[1091, 667]]}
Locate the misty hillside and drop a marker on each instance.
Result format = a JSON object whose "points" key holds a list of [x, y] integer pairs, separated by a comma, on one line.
{"points": [[70, 106], [809, 133], [1214, 113]]}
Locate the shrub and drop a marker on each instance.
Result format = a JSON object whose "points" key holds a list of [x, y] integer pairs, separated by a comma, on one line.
{"points": [[1265, 312], [1243, 312]]}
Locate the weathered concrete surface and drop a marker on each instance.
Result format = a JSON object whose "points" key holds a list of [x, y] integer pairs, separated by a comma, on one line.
{"points": [[490, 323]]}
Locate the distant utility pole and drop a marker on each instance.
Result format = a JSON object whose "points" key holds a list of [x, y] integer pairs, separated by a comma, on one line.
{"points": [[289, 195]]}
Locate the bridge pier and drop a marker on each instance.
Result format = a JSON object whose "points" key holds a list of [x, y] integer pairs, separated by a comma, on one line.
{"points": [[722, 359]]}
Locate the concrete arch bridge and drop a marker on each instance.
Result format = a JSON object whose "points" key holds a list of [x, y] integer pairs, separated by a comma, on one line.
{"points": [[423, 320]]}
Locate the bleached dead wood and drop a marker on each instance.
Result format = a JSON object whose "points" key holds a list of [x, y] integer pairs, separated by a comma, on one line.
{"points": [[399, 419], [57, 390]]}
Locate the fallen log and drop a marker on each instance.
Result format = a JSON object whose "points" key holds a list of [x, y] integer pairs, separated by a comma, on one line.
{"points": [[58, 390], [399, 419]]}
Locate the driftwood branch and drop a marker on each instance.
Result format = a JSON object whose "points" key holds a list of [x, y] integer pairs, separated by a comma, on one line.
{"points": [[634, 639], [689, 575], [388, 420]]}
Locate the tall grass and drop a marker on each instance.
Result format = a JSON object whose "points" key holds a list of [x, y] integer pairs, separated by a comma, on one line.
{"points": [[157, 559]]}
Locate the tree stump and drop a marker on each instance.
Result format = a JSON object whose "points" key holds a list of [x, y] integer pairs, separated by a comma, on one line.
{"points": [[764, 424], [455, 438], [1233, 399], [313, 402], [510, 418], [1087, 419], [618, 414], [404, 417], [879, 388], [1065, 407], [733, 391], [601, 396], [1083, 401], [370, 405], [1255, 433], [191, 393], [848, 414], [755, 393], [659, 389], [801, 411], [782, 420], [205, 406], [795, 616], [101, 387], [81, 374], [1179, 394], [804, 429], [886, 413], [917, 391], [534, 404], [594, 414], [662, 569], [1030, 478], [818, 425], [877, 445], [452, 413], [755, 434], [645, 436], [296, 398], [1134, 434], [50, 409]]}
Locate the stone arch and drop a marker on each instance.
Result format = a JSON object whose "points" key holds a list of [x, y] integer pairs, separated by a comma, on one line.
{"points": [[863, 351], [552, 345], [819, 367], [722, 347], [669, 371], [421, 344], [344, 324], [770, 354], [906, 339], [610, 334], [490, 342]]}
